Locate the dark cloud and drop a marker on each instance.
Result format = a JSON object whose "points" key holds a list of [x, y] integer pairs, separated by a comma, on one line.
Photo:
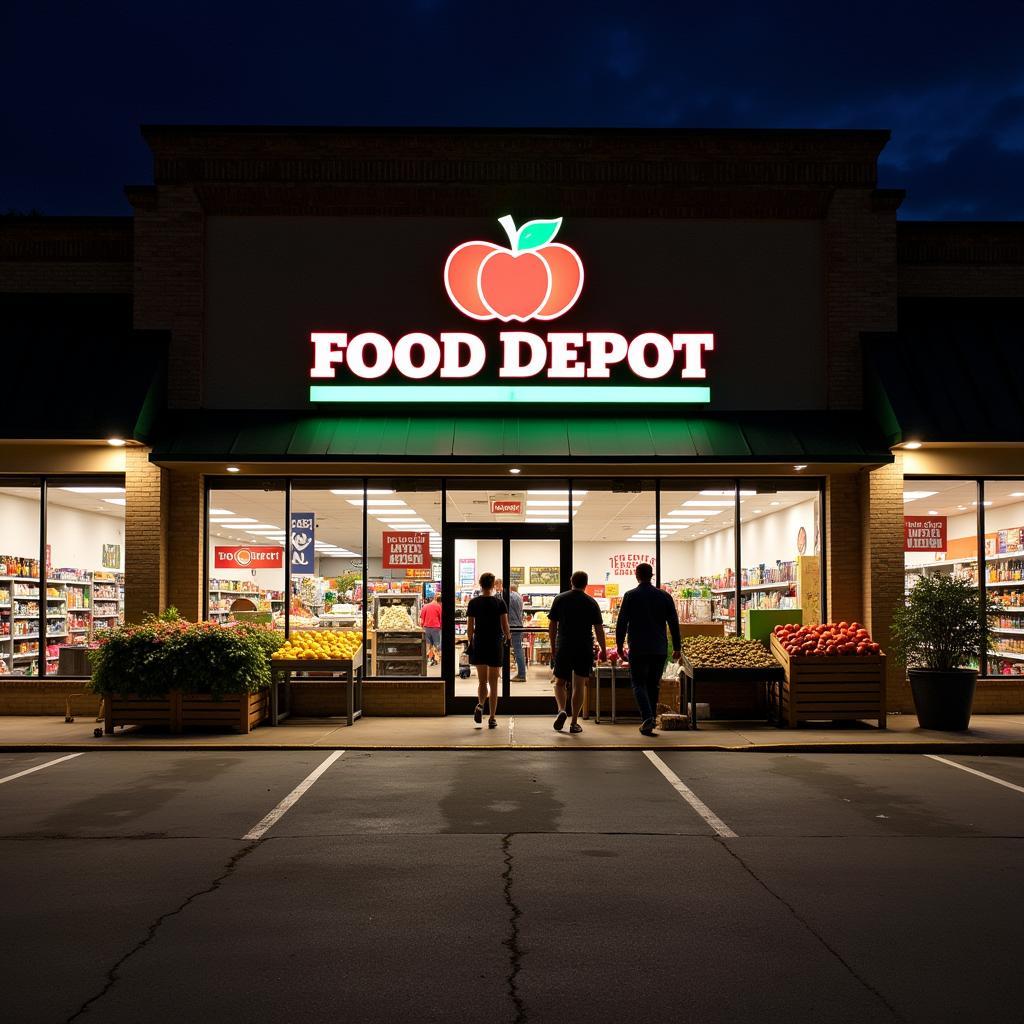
{"points": [[947, 78]]}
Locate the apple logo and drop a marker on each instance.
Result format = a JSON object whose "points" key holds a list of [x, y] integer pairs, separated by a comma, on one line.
{"points": [[534, 278]]}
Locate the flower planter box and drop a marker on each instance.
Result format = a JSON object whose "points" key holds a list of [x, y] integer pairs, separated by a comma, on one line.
{"points": [[238, 712], [821, 688]]}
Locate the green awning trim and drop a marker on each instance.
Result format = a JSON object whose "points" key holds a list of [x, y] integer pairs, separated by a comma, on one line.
{"points": [[206, 436]]}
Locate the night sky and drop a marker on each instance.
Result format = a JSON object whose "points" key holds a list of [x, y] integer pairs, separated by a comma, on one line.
{"points": [[947, 79]]}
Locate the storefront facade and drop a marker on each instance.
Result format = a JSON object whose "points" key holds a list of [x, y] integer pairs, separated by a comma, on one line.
{"points": [[356, 367]]}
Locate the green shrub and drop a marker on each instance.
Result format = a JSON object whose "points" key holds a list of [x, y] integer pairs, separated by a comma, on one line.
{"points": [[942, 626], [164, 654]]}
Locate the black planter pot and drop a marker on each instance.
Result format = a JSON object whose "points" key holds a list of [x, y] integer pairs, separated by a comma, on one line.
{"points": [[943, 700]]}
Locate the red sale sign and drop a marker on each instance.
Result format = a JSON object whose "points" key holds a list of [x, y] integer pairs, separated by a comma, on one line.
{"points": [[402, 550], [506, 508], [924, 533], [248, 558]]}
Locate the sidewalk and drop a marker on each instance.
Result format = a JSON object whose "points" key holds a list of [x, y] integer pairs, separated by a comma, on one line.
{"points": [[993, 734]]}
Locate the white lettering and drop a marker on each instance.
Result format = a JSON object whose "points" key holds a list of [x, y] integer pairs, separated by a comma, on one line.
{"points": [[327, 350], [477, 355], [605, 349], [383, 357], [637, 356], [511, 355], [564, 355], [694, 346], [403, 356]]}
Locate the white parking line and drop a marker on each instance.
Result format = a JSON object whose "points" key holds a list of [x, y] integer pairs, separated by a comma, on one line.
{"points": [[258, 831], [40, 767], [974, 771], [709, 816]]}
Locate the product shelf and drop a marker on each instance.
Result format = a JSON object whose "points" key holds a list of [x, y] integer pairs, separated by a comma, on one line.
{"points": [[1012, 655]]}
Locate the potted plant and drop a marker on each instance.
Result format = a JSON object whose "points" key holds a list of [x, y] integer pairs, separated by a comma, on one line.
{"points": [[939, 634]]}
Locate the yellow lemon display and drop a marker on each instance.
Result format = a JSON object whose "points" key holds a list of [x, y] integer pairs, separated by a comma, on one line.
{"points": [[320, 645]]}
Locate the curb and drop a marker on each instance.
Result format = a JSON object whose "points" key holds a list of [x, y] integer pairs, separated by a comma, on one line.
{"points": [[994, 748]]}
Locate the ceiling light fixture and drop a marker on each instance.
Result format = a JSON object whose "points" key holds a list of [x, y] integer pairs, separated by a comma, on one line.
{"points": [[725, 494], [912, 445], [220, 512], [800, 468], [233, 521], [515, 470], [377, 502], [359, 491], [116, 501], [94, 490], [116, 442], [233, 469], [917, 495], [711, 503]]}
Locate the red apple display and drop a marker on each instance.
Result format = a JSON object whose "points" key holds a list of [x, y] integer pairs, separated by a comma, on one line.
{"points": [[534, 278]]}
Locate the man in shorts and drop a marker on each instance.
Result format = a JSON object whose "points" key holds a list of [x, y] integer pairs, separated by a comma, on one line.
{"points": [[574, 621]]}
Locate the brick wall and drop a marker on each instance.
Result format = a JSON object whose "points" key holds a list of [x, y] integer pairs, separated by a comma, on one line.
{"points": [[184, 521], [860, 284], [961, 260], [844, 547], [47, 697], [379, 698], [169, 286], [883, 576], [145, 559]]}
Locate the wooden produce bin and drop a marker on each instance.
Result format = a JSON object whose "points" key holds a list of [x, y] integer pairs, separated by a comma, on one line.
{"points": [[237, 712], [819, 688]]}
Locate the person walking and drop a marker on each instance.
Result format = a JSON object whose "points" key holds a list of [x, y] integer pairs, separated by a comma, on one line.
{"points": [[486, 634], [644, 615], [430, 620], [514, 600], [574, 620]]}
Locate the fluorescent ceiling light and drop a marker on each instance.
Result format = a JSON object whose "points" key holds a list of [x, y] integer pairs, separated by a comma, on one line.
{"points": [[124, 501], [691, 515], [393, 513], [261, 531], [1017, 494], [715, 494], [94, 490], [221, 512], [710, 503], [775, 503], [985, 503], [359, 490], [575, 493], [233, 521], [917, 495], [933, 512], [377, 502]]}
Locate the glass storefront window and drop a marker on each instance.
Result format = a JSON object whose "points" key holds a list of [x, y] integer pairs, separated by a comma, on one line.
{"points": [[698, 549], [327, 578], [780, 549], [19, 577], [403, 575], [1004, 574], [85, 551], [613, 532], [501, 502], [246, 551]]}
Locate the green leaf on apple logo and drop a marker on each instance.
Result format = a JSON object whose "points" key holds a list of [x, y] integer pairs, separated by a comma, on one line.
{"points": [[535, 233]]}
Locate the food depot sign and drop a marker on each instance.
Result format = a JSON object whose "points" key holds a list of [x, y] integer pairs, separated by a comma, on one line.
{"points": [[248, 557], [533, 278]]}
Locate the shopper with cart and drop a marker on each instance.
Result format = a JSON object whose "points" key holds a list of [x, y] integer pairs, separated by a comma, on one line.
{"points": [[574, 620], [646, 616], [487, 636]]}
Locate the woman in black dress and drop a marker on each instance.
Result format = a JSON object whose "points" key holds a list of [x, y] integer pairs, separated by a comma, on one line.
{"points": [[486, 633]]}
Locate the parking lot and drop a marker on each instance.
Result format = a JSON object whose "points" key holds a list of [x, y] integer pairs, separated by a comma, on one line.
{"points": [[510, 885]]}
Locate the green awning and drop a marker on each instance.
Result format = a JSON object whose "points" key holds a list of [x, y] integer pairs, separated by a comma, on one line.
{"points": [[207, 436]]}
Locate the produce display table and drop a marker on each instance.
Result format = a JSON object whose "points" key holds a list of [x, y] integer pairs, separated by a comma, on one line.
{"points": [[349, 669], [691, 675], [612, 674], [823, 688]]}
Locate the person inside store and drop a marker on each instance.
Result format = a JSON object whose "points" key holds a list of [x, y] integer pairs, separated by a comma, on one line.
{"points": [[514, 600], [487, 634], [573, 622], [430, 620], [646, 616]]}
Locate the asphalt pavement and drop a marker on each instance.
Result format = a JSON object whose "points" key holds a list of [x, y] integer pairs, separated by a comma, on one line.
{"points": [[510, 885]]}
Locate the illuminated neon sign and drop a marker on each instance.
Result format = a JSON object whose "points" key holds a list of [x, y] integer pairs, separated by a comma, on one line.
{"points": [[534, 278]]}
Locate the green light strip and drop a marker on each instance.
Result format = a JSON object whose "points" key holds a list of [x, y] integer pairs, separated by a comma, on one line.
{"points": [[511, 393]]}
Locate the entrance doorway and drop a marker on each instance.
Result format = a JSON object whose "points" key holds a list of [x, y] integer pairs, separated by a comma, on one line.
{"points": [[534, 560]]}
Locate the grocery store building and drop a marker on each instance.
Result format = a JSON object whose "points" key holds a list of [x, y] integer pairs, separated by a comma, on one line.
{"points": [[351, 368]]}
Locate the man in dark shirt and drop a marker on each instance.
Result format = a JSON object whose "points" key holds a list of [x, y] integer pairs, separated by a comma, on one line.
{"points": [[574, 619], [643, 617]]}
